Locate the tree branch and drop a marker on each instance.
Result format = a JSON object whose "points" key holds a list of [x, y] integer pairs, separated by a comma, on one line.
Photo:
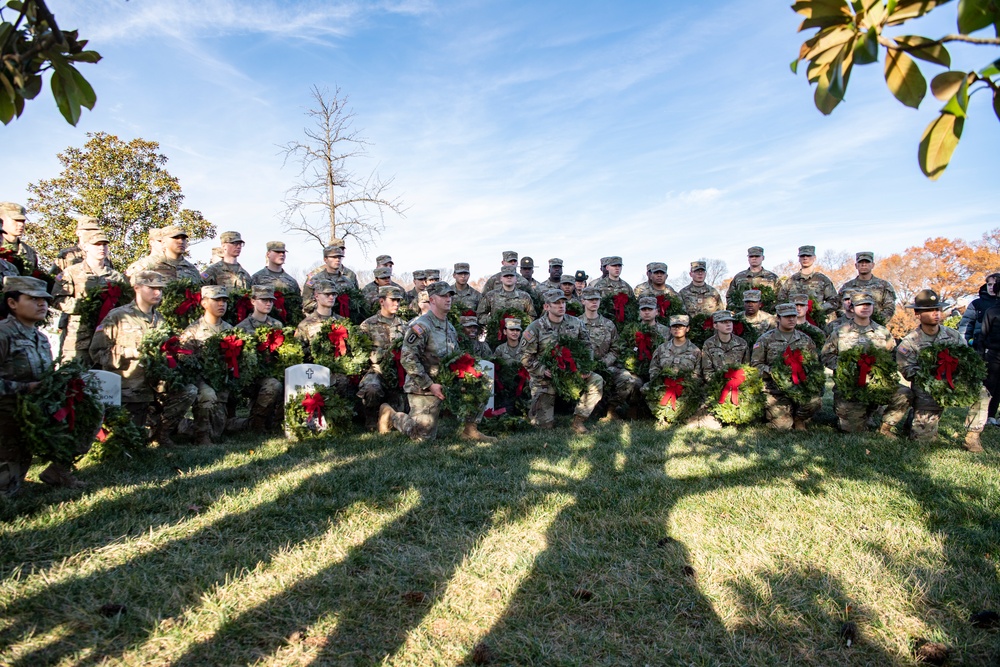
{"points": [[890, 44]]}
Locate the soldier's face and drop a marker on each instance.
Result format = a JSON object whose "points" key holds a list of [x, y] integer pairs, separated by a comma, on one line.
{"points": [[440, 303], [275, 257], [527, 272], [462, 279], [929, 317], [805, 261], [391, 306], [801, 309], [786, 323], [472, 331], [419, 283], [508, 281], [678, 331], [751, 307], [864, 267], [177, 245], [232, 249], [555, 272], [848, 308], [382, 282], [567, 289], [557, 309], [658, 278], [647, 315], [332, 262], [29, 309], [614, 271], [591, 305], [698, 276], [580, 284], [513, 335], [13, 226], [151, 295], [864, 310], [96, 251], [262, 306], [724, 328], [755, 260], [216, 307], [325, 299]]}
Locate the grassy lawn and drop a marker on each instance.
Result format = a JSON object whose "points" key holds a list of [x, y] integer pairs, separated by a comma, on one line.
{"points": [[626, 546]]}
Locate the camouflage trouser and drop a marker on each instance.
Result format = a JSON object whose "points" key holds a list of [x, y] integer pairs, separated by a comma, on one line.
{"points": [[625, 387], [210, 414], [15, 459], [420, 423], [543, 400], [175, 403], [268, 398], [782, 411], [851, 416], [927, 413]]}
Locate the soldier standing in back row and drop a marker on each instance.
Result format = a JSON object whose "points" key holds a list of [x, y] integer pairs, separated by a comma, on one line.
{"points": [[332, 272], [612, 283], [273, 274], [171, 264], [754, 277], [528, 272], [67, 257], [507, 297], [657, 283], [700, 297], [555, 275], [466, 296], [807, 280], [493, 282], [382, 277], [227, 271], [880, 290], [754, 314], [12, 222], [155, 249]]}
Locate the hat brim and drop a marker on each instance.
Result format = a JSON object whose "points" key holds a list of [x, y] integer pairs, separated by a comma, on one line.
{"points": [[37, 294], [940, 306]]}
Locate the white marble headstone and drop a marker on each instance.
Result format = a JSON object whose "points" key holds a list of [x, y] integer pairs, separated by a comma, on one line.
{"points": [[306, 377], [489, 369], [111, 386]]}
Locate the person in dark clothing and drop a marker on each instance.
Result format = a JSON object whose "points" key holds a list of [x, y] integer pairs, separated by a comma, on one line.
{"points": [[988, 345], [972, 321]]}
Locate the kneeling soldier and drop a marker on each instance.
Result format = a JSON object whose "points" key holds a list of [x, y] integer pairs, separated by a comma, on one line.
{"points": [[267, 392], [384, 328]]}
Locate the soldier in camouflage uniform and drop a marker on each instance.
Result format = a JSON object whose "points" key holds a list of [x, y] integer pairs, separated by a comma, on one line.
{"points": [[67, 257], [700, 297], [493, 282], [382, 278], [782, 412], [677, 352], [612, 283], [353, 277], [384, 328], [419, 285], [555, 275], [604, 271], [477, 348], [809, 281], [72, 285], [466, 296], [12, 221], [754, 277], [538, 337], [528, 272], [509, 351], [228, 272], [8, 269], [155, 249], [847, 317], [428, 340], [386, 261], [210, 416], [115, 348], [881, 290], [331, 272], [926, 412], [580, 279], [171, 264], [568, 287], [433, 275], [860, 331], [266, 393], [507, 297], [603, 334], [325, 293], [648, 311], [754, 314], [723, 349], [657, 283], [273, 274]]}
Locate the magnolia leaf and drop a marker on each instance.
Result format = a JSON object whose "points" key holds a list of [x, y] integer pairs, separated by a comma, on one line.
{"points": [[812, 9], [991, 70], [866, 48], [996, 103], [938, 143], [958, 105], [825, 41], [794, 66], [86, 93], [911, 9], [822, 98], [975, 15], [904, 78], [925, 49], [890, 7], [875, 14], [65, 94], [945, 85], [824, 22], [6, 107]]}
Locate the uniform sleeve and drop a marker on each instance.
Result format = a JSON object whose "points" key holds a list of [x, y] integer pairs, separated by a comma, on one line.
{"points": [[414, 344], [64, 293], [529, 351], [906, 359], [610, 359], [831, 302], [8, 387], [482, 310], [308, 301], [656, 364], [758, 357], [889, 309], [584, 336], [828, 355]]}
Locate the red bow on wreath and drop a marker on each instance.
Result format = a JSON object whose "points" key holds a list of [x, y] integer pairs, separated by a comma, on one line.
{"points": [[809, 314], [469, 313], [707, 324], [274, 340], [794, 360], [644, 342], [662, 304], [564, 358], [500, 329], [170, 348], [865, 363], [74, 394], [313, 405], [672, 390], [464, 365], [344, 303], [243, 307], [738, 328], [338, 337], [191, 300], [495, 413], [946, 365], [109, 299], [232, 346], [400, 371], [619, 300], [734, 378], [522, 376], [279, 305]]}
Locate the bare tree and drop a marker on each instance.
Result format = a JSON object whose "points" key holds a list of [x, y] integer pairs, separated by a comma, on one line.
{"points": [[330, 201], [715, 271]]}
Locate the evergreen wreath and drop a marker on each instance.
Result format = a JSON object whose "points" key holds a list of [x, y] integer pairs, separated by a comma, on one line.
{"points": [[118, 436], [574, 308], [391, 366], [866, 374], [745, 330], [799, 374], [181, 304], [341, 347], [512, 385], [673, 395], [768, 297], [635, 346], [501, 422], [568, 359], [666, 306], [95, 305], [952, 374], [318, 413], [277, 349], [352, 304], [701, 329], [494, 326], [63, 411], [160, 353], [818, 335], [13, 258], [619, 308], [287, 307], [238, 306], [466, 388], [735, 395], [227, 361]]}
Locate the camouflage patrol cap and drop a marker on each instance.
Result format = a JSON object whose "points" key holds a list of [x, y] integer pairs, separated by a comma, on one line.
{"points": [[751, 295], [755, 251], [809, 250], [647, 302], [864, 256], [722, 316], [382, 260], [87, 223], [590, 293], [339, 243], [512, 323], [581, 276], [510, 255], [553, 296], [276, 246], [566, 279], [433, 275], [698, 265], [93, 238], [262, 292], [800, 299], [555, 261], [848, 295], [614, 261], [333, 251], [604, 261], [423, 296], [527, 263], [324, 287], [26, 285], [420, 274], [785, 310], [13, 211], [861, 297], [149, 279], [680, 321], [214, 292], [390, 292], [468, 321], [656, 267], [461, 267], [230, 237], [440, 288], [172, 232], [155, 233], [382, 272], [507, 271]]}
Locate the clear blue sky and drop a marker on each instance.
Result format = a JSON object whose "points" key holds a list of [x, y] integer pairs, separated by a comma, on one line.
{"points": [[653, 130]]}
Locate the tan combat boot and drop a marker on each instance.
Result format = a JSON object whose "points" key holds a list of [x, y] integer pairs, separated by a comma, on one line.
{"points": [[886, 431], [57, 475], [385, 416], [799, 425], [577, 425], [471, 432], [972, 442]]}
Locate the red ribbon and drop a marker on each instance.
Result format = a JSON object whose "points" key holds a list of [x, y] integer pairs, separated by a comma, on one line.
{"points": [[170, 348], [644, 342], [464, 365], [191, 300], [707, 324], [231, 348], [243, 307], [279, 305], [469, 313], [109, 297], [564, 358], [809, 314], [522, 376], [734, 378], [344, 303], [314, 404], [102, 435], [662, 304], [865, 363], [501, 335], [738, 328], [274, 340], [672, 390], [794, 360], [947, 365], [74, 394], [619, 300], [338, 336], [495, 413], [400, 371]]}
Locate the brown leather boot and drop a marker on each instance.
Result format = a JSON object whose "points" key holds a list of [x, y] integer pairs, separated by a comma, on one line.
{"points": [[799, 425], [161, 437], [972, 442], [203, 438], [886, 431], [578, 426], [385, 417], [57, 475], [471, 432]]}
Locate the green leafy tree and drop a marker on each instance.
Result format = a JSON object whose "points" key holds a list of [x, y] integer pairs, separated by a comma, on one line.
{"points": [[32, 43], [853, 32], [122, 184]]}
